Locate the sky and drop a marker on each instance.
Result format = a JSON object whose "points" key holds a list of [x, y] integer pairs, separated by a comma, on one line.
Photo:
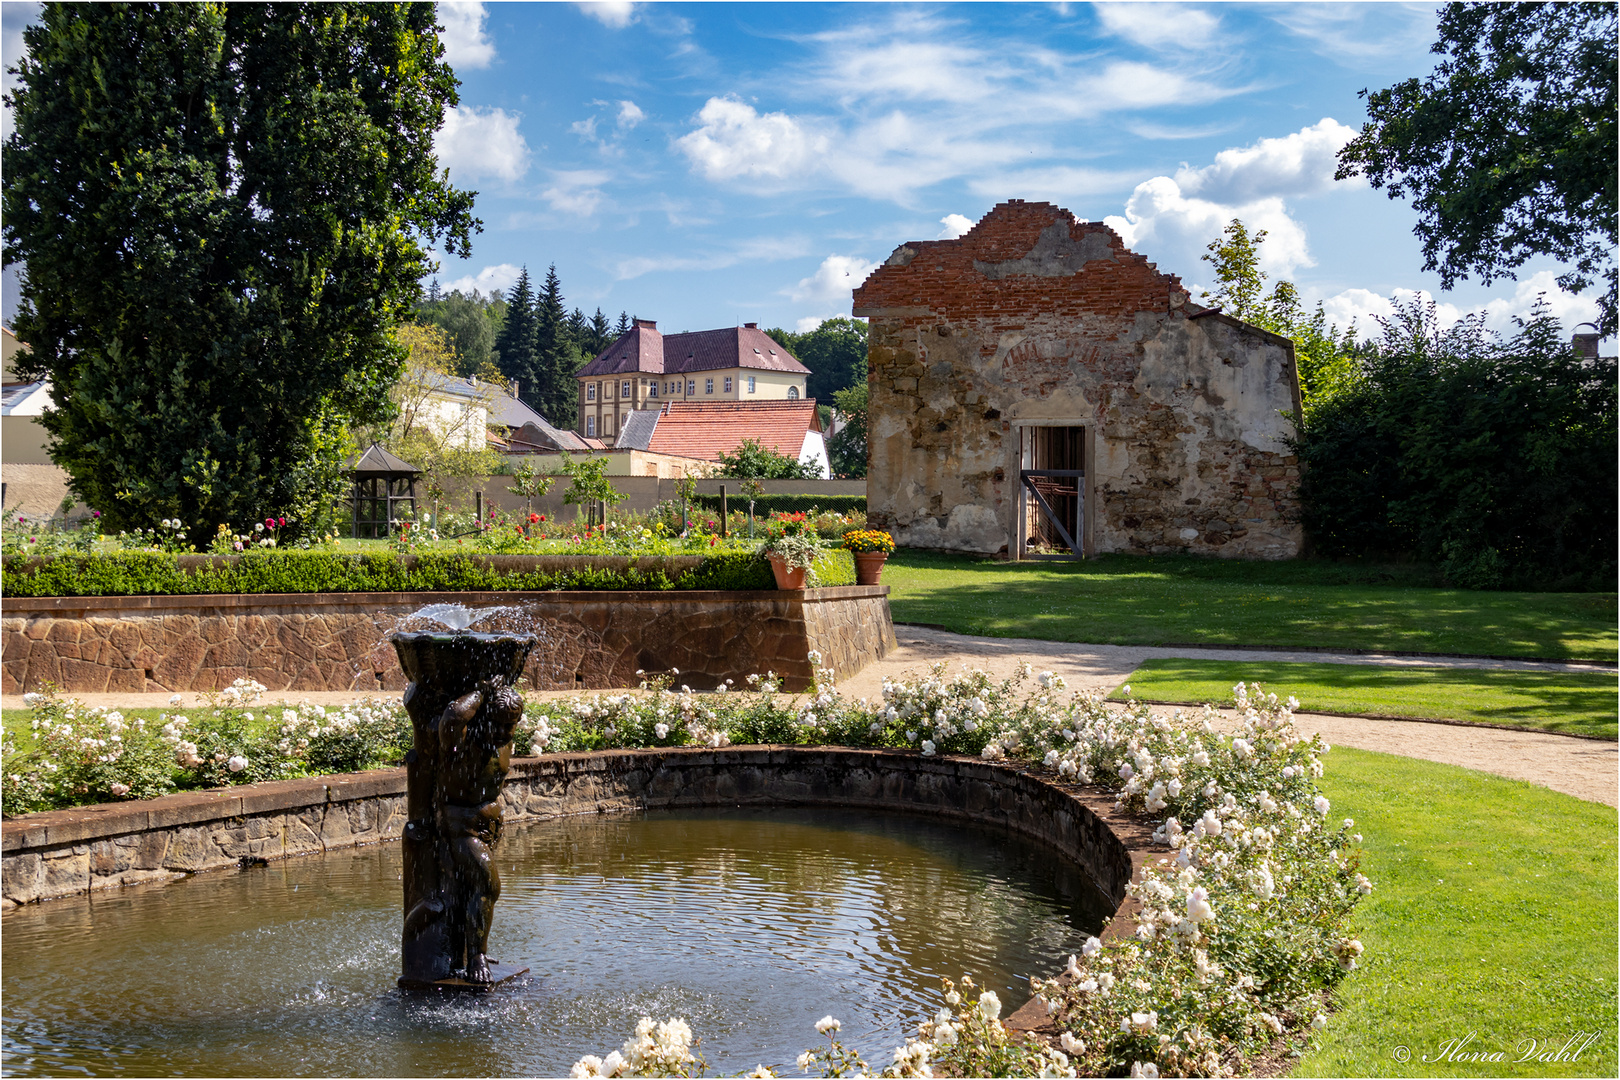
{"points": [[706, 165]]}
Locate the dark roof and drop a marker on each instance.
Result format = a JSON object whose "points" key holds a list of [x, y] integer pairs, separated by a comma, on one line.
{"points": [[642, 350], [378, 462], [539, 433], [637, 430]]}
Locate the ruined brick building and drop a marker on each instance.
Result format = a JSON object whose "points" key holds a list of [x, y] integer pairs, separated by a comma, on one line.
{"points": [[1035, 384]]}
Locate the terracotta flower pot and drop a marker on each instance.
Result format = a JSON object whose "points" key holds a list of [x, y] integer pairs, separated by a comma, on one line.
{"points": [[869, 566], [787, 577]]}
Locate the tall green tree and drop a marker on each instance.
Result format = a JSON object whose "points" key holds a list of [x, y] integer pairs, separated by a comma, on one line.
{"points": [[223, 211], [846, 450], [1508, 149], [465, 320], [556, 355], [516, 344], [1322, 354], [832, 351]]}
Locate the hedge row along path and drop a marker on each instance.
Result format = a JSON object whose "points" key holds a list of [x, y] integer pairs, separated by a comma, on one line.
{"points": [[1585, 768]]}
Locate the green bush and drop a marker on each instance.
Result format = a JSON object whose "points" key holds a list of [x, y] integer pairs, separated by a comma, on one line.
{"points": [[126, 573], [1491, 458], [766, 505]]}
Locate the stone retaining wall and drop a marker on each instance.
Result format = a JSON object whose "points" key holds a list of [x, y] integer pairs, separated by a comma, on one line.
{"points": [[65, 852], [337, 641]]}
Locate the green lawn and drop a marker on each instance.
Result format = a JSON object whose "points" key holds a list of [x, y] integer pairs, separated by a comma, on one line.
{"points": [[1493, 914], [1550, 701], [1181, 600]]}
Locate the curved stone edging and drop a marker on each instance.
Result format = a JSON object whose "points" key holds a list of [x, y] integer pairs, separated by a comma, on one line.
{"points": [[66, 852]]}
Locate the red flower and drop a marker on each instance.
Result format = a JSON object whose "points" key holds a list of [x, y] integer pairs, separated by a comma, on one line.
{"points": [[542, 517], [281, 523], [269, 523], [534, 518]]}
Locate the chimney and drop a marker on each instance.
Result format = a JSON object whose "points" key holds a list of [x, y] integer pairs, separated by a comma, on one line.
{"points": [[647, 324], [751, 326], [1585, 345], [514, 388]]}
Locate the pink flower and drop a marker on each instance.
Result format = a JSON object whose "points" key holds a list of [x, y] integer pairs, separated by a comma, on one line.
{"points": [[269, 523], [281, 523]]}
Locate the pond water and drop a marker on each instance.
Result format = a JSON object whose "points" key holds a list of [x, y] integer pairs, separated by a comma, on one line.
{"points": [[751, 924]]}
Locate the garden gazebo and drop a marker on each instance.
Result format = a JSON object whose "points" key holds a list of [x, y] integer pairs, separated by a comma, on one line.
{"points": [[381, 483]]}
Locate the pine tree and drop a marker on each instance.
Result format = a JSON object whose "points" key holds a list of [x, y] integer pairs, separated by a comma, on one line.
{"points": [[433, 291], [552, 350], [624, 326], [515, 346], [599, 335]]}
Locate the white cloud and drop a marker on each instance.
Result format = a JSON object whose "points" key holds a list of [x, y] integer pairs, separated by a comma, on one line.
{"points": [[489, 279], [577, 192], [1126, 85], [13, 17], [1159, 25], [1364, 307], [1168, 226], [759, 249], [617, 14], [734, 141], [1301, 163], [955, 225], [585, 129], [833, 281], [482, 144], [630, 115], [465, 43], [1173, 218], [1360, 31]]}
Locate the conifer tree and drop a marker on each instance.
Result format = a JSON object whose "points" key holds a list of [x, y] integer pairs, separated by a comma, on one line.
{"points": [[624, 326], [515, 344], [600, 337]]}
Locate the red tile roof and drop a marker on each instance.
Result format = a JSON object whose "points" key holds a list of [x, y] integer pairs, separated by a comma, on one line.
{"points": [[642, 349], [707, 429]]}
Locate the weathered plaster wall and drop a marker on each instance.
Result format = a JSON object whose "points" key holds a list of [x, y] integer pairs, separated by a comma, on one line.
{"points": [[338, 641], [1033, 318]]}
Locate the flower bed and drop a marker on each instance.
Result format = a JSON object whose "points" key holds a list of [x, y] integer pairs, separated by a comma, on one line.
{"points": [[1243, 922]]}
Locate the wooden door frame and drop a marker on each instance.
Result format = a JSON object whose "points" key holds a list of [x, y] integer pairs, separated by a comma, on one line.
{"points": [[1024, 452]]}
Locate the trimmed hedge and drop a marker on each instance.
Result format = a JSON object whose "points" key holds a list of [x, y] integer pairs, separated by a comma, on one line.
{"points": [[140, 573], [766, 505]]}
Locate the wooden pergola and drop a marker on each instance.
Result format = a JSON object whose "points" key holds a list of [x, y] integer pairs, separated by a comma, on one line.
{"points": [[382, 482]]}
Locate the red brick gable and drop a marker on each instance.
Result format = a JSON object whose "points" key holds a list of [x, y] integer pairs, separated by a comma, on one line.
{"points": [[1020, 257], [707, 429]]}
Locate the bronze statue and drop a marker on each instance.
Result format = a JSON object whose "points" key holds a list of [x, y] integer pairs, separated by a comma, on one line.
{"points": [[463, 709]]}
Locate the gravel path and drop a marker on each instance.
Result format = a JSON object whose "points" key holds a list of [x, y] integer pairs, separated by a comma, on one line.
{"points": [[1585, 768]]}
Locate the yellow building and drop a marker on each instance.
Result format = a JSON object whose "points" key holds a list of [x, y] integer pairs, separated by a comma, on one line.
{"points": [[643, 369]]}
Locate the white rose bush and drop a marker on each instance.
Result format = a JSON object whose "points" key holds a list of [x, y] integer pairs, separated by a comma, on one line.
{"points": [[1243, 919]]}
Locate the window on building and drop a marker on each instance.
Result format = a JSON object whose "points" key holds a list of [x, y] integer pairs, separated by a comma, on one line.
{"points": [[750, 384], [590, 391], [607, 426], [691, 386], [708, 386], [590, 427], [793, 393], [624, 389], [728, 384], [652, 390]]}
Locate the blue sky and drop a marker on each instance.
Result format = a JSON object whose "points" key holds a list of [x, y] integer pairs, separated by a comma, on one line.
{"points": [[711, 164]]}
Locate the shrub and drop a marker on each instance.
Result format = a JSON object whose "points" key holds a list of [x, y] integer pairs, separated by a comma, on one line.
{"points": [[1492, 458], [766, 505]]}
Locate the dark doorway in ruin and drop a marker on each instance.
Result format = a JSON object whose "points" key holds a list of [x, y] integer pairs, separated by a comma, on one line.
{"points": [[1053, 479]]}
